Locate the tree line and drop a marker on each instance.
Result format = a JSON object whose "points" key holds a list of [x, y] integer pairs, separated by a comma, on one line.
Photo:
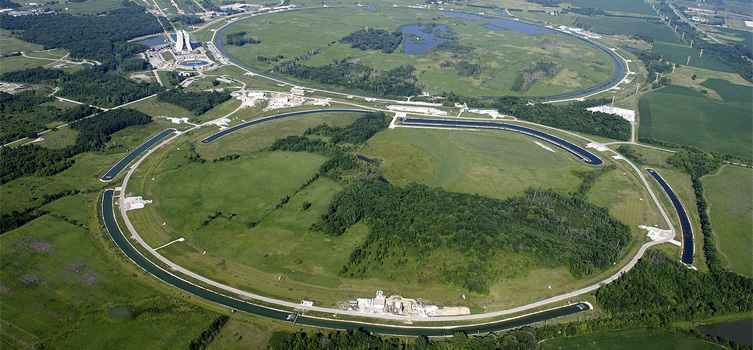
{"points": [[196, 102], [398, 81], [85, 36], [90, 86], [93, 133], [531, 73], [573, 116], [419, 220], [374, 39], [519, 339], [357, 132], [241, 38]]}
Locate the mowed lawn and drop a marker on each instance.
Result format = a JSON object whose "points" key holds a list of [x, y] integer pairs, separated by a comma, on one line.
{"points": [[685, 116], [629, 339], [730, 196], [498, 164]]}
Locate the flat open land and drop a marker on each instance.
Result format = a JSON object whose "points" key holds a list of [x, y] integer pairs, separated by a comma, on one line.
{"points": [[625, 6], [630, 339], [685, 116], [60, 287], [629, 26], [502, 54], [730, 196], [679, 54], [498, 164]]}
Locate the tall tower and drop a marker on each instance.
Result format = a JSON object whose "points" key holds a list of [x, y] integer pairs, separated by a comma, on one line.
{"points": [[186, 41], [178, 41]]}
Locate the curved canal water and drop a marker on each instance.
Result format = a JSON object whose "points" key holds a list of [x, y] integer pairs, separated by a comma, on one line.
{"points": [[617, 76], [687, 230], [119, 166], [108, 215], [279, 116], [585, 156]]}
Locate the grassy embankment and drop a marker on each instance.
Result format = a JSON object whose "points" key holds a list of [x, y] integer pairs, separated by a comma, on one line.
{"points": [[730, 196]]}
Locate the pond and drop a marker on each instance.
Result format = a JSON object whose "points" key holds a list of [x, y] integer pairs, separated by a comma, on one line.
{"points": [[417, 40], [153, 41], [504, 23], [739, 331]]}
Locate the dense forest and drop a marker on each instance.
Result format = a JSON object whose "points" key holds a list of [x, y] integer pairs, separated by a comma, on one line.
{"points": [[573, 116], [631, 154], [663, 287], [374, 39], [93, 133], [398, 81], [90, 86], [519, 339], [196, 102], [90, 37], [241, 38], [412, 222]]}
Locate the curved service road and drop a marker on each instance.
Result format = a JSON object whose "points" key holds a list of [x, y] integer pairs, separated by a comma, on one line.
{"points": [[585, 156], [108, 214], [119, 166]]}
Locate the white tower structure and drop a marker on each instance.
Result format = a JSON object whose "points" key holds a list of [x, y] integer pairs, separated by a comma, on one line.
{"points": [[186, 41], [178, 41]]}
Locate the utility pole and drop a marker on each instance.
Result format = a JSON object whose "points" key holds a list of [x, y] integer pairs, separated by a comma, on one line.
{"points": [[675, 28], [687, 64], [637, 86], [701, 54], [683, 36], [691, 43], [657, 77], [673, 67]]}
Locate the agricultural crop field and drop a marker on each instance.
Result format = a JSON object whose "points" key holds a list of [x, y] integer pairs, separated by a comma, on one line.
{"points": [[630, 339], [679, 54], [730, 196], [501, 54], [629, 26], [639, 7], [686, 116]]}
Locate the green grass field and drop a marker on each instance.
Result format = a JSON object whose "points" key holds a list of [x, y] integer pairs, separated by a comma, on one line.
{"points": [[685, 116], [629, 26], [679, 54], [503, 54], [59, 288], [730, 196], [10, 44], [640, 338], [496, 164], [626, 6]]}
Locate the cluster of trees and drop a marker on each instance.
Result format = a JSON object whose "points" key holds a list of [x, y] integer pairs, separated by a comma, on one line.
{"points": [[85, 36], [589, 177], [519, 339], [631, 154], [196, 102], [357, 132], [695, 161], [93, 134], [206, 337], [90, 86], [531, 73], [173, 78], [241, 38], [573, 116], [663, 287], [374, 39], [419, 220], [187, 20], [17, 219], [340, 161], [398, 81], [547, 3], [464, 68]]}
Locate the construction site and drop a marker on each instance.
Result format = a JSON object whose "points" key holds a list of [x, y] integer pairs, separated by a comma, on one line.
{"points": [[397, 305]]}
